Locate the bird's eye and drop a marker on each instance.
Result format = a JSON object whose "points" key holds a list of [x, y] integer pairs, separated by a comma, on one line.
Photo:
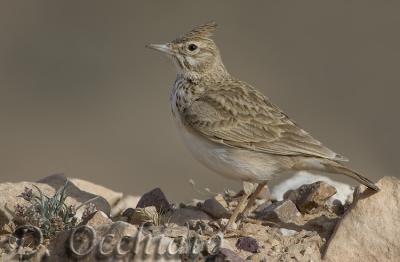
{"points": [[192, 47]]}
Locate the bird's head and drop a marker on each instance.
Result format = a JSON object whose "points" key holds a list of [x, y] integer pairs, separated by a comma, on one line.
{"points": [[195, 54]]}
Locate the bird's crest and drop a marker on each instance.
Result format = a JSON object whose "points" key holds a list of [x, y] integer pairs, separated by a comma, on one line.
{"points": [[203, 31]]}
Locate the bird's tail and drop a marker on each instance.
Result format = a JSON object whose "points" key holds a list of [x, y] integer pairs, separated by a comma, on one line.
{"points": [[330, 166]]}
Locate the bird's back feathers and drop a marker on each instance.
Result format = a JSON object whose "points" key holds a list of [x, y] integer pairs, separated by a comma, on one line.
{"points": [[233, 113]]}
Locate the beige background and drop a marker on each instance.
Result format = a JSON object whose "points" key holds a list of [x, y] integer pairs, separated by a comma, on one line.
{"points": [[80, 95]]}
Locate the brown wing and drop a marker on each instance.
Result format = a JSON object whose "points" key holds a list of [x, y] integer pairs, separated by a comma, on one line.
{"points": [[238, 115]]}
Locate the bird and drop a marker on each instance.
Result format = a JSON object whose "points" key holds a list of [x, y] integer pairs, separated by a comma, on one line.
{"points": [[235, 130]]}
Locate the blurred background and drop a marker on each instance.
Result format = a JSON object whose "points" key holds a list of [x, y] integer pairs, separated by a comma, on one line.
{"points": [[80, 95]]}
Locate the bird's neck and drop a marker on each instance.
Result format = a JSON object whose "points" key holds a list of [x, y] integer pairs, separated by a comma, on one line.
{"points": [[217, 73]]}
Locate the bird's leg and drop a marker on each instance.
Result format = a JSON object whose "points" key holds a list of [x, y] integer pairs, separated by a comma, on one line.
{"points": [[252, 199], [237, 210]]}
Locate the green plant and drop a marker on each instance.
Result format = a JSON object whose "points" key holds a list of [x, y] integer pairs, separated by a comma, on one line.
{"points": [[50, 214]]}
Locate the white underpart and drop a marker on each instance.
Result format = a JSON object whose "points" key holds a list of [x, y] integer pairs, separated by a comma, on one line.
{"points": [[344, 191]]}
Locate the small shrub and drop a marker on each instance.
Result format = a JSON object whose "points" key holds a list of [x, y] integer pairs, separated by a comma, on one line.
{"points": [[50, 214]]}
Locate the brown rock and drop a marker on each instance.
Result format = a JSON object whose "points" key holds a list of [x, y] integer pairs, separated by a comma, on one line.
{"points": [[111, 196], [370, 229], [310, 197], [81, 196], [5, 218], [248, 244], [216, 207], [155, 198], [283, 211], [10, 191]]}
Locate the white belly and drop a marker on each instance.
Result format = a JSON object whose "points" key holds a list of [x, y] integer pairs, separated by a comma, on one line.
{"points": [[238, 164]]}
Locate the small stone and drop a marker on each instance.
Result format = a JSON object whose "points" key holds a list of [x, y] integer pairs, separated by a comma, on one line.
{"points": [[193, 203], [287, 232], [155, 198], [248, 244], [139, 216], [282, 211], [310, 197], [216, 207], [273, 242], [223, 222], [97, 218], [337, 207]]}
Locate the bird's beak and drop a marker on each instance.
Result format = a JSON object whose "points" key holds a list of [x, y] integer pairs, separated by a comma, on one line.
{"points": [[165, 48]]}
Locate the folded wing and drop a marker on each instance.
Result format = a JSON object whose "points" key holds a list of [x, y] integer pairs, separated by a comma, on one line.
{"points": [[239, 116]]}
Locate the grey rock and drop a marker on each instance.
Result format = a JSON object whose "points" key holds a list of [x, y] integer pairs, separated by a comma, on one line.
{"points": [[216, 207], [183, 216], [155, 198]]}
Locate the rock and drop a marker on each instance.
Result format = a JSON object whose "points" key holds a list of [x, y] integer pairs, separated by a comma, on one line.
{"points": [[322, 224], [155, 198], [216, 207], [58, 180], [282, 211], [111, 238], [287, 232], [182, 216], [39, 254], [111, 196], [124, 203], [5, 218], [344, 191], [310, 197], [265, 194], [10, 191], [248, 244], [263, 206], [258, 258], [225, 254], [139, 216], [370, 229], [97, 218]]}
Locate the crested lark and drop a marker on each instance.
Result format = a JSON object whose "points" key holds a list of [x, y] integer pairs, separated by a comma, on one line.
{"points": [[232, 128]]}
